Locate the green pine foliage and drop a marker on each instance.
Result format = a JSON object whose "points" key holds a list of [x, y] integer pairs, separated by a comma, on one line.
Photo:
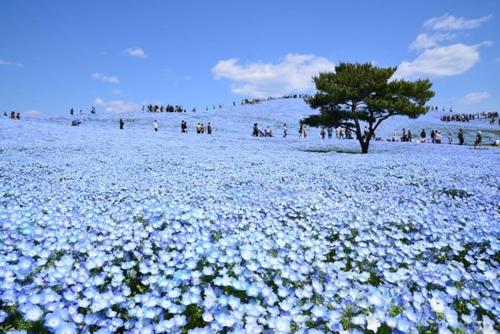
{"points": [[357, 94]]}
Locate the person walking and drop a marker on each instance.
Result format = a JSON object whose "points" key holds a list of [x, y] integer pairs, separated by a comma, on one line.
{"points": [[477, 142], [155, 124], [285, 130], [122, 123]]}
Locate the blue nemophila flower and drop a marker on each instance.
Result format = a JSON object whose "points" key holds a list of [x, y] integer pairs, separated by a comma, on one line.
{"points": [[224, 319], [32, 313], [127, 248], [66, 328], [53, 320]]}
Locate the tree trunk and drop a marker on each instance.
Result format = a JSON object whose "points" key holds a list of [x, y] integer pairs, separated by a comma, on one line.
{"points": [[364, 146]]}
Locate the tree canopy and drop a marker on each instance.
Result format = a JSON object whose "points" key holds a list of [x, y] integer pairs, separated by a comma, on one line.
{"points": [[363, 94]]}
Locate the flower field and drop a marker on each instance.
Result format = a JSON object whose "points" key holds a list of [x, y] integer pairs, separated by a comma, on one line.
{"points": [[130, 231]]}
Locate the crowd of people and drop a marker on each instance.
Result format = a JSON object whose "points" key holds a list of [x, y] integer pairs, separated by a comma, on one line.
{"points": [[341, 132], [272, 98], [161, 108], [435, 137], [13, 115], [256, 132], [199, 127], [491, 116], [179, 108], [82, 113]]}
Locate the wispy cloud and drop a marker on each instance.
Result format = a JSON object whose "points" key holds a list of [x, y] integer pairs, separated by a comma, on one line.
{"points": [[4, 62], [105, 78], [135, 52], [117, 106], [450, 22], [293, 74], [475, 97], [32, 113], [117, 92], [427, 41]]}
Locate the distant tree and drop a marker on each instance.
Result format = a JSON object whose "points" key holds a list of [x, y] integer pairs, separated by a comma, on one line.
{"points": [[363, 94]]}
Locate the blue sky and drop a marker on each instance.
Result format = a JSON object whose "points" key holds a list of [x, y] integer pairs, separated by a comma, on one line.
{"points": [[120, 54]]}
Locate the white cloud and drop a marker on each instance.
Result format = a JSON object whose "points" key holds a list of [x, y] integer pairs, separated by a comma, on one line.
{"points": [[475, 97], [32, 113], [427, 41], [441, 61], [293, 74], [117, 92], [450, 22], [106, 78], [119, 106], [8, 63], [135, 52]]}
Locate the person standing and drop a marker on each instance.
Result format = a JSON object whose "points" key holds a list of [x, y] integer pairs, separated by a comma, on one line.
{"points": [[155, 124], [209, 128], [449, 138], [322, 133], [477, 142], [255, 131], [285, 130], [461, 138], [329, 132], [304, 131], [71, 111], [423, 136], [122, 123]]}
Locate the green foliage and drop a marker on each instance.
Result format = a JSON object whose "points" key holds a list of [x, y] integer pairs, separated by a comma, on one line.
{"points": [[357, 93], [456, 193], [194, 315], [15, 321], [395, 310]]}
